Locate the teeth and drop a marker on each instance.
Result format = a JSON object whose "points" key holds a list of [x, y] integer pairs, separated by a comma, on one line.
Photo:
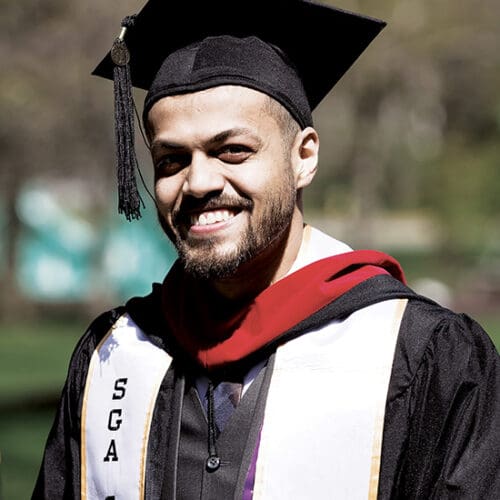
{"points": [[206, 218]]}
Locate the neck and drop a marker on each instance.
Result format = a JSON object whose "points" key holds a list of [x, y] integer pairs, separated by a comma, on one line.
{"points": [[269, 266]]}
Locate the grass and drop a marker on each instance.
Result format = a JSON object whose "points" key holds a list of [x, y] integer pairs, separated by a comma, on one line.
{"points": [[491, 324], [22, 439], [34, 357], [33, 365], [33, 361]]}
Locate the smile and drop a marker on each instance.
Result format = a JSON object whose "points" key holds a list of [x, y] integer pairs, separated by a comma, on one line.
{"points": [[211, 217]]}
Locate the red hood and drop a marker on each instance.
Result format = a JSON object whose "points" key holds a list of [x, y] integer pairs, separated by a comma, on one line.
{"points": [[213, 342]]}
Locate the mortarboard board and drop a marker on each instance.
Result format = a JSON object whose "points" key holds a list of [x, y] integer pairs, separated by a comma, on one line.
{"points": [[293, 50]]}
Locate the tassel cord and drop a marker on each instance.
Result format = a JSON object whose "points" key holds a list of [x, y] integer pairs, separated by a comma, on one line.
{"points": [[146, 142], [213, 460], [129, 198]]}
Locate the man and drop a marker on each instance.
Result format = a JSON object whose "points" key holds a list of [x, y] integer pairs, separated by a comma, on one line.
{"points": [[273, 361]]}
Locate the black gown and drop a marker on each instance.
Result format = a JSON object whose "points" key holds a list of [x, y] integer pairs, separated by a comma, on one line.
{"points": [[441, 434]]}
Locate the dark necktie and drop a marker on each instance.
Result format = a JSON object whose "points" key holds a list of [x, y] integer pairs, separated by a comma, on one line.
{"points": [[227, 395]]}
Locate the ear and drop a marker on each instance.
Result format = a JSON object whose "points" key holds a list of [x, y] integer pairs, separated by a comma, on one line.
{"points": [[306, 162]]}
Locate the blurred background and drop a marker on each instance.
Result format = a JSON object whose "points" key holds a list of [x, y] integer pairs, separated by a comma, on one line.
{"points": [[409, 165]]}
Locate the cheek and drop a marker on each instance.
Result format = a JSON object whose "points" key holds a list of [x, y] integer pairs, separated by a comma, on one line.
{"points": [[274, 182], [253, 188], [259, 179], [167, 193]]}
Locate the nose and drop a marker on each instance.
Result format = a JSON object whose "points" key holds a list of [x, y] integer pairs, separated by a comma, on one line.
{"points": [[202, 177]]}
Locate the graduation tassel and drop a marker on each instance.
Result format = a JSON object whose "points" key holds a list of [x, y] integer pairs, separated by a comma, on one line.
{"points": [[129, 198]]}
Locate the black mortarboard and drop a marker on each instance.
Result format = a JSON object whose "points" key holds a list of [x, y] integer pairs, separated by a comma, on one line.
{"points": [[185, 46]]}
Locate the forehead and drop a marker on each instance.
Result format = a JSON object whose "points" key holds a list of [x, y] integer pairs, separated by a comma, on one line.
{"points": [[223, 107]]}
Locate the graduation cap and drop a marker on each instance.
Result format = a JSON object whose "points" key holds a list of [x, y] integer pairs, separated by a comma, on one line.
{"points": [[293, 50]]}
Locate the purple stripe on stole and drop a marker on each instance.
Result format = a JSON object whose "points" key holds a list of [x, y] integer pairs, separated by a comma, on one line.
{"points": [[250, 480]]}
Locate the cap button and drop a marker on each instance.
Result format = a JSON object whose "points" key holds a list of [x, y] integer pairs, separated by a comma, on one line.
{"points": [[213, 463]]}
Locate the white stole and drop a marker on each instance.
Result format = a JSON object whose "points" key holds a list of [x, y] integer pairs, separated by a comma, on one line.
{"points": [[123, 380], [324, 415]]}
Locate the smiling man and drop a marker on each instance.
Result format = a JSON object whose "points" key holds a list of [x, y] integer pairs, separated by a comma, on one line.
{"points": [[273, 362], [227, 180]]}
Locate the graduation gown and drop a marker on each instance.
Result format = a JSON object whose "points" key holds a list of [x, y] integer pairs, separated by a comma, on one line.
{"points": [[440, 437]]}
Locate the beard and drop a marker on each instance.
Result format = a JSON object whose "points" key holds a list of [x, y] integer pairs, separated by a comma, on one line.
{"points": [[204, 260]]}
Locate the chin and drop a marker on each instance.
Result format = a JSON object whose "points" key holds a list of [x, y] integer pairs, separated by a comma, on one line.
{"points": [[209, 264]]}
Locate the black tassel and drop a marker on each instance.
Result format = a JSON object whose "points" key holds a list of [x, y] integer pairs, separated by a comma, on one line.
{"points": [[129, 198]]}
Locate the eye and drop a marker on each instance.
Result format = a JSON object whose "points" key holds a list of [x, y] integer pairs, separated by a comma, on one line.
{"points": [[171, 163], [234, 153]]}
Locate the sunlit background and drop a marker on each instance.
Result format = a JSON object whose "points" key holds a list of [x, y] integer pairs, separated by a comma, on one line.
{"points": [[410, 164]]}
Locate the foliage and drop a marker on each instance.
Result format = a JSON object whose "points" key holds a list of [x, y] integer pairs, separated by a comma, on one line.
{"points": [[398, 131], [414, 125]]}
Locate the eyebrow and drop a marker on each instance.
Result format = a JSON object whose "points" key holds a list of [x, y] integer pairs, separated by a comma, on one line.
{"points": [[216, 139], [162, 144], [233, 132]]}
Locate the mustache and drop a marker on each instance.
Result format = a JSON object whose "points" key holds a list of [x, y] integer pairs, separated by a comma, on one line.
{"points": [[190, 205]]}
